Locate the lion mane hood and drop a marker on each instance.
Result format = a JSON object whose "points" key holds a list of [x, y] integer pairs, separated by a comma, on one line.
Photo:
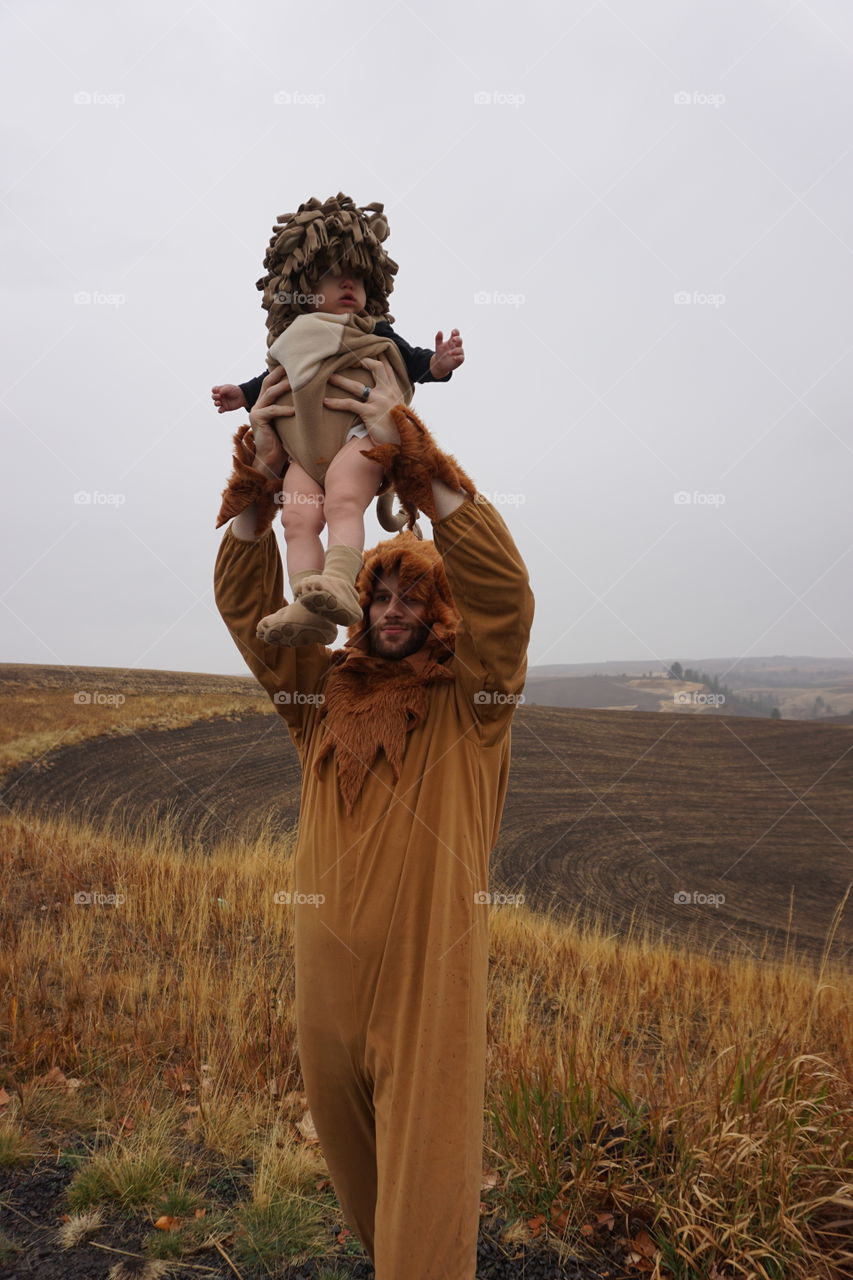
{"points": [[421, 574], [370, 703]]}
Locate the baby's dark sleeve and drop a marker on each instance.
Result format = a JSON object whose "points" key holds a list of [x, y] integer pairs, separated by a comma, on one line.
{"points": [[416, 359], [252, 389]]}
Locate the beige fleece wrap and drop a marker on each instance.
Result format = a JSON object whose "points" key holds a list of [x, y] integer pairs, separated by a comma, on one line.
{"points": [[310, 349]]}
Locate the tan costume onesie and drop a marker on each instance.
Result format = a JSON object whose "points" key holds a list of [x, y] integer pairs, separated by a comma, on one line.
{"points": [[405, 766], [311, 349]]}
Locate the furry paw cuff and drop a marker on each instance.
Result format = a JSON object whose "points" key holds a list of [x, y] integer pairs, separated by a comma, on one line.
{"points": [[415, 462], [246, 486]]}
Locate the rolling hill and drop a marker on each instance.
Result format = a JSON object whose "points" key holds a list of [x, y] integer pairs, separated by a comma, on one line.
{"points": [[708, 828]]}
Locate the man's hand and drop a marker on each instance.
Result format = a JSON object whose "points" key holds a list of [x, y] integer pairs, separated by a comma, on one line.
{"points": [[375, 410], [448, 355], [227, 397], [268, 448]]}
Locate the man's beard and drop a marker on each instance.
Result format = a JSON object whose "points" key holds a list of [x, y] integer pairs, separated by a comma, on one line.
{"points": [[399, 646]]}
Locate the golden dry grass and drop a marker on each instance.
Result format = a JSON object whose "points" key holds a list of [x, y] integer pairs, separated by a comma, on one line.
{"points": [[42, 708], [708, 1098]]}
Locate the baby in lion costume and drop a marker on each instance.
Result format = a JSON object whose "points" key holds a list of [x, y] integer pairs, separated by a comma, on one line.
{"points": [[326, 294]]}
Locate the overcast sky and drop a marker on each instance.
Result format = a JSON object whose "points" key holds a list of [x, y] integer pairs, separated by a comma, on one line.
{"points": [[637, 214]]}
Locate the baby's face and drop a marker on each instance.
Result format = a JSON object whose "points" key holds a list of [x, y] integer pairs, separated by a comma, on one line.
{"points": [[340, 291]]}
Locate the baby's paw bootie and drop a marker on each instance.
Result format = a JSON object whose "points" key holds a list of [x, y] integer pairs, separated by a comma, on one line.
{"points": [[331, 594], [294, 624]]}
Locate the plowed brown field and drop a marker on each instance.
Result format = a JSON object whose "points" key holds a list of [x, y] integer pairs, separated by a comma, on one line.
{"points": [[609, 812]]}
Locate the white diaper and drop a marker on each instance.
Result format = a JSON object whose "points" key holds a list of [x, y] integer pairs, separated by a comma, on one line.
{"points": [[358, 430]]}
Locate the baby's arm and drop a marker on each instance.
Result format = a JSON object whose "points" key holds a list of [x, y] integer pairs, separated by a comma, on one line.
{"points": [[226, 396], [416, 359], [423, 365], [252, 389], [448, 354]]}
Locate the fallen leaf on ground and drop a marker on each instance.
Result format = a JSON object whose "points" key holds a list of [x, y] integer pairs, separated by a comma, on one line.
{"points": [[644, 1244], [306, 1128]]}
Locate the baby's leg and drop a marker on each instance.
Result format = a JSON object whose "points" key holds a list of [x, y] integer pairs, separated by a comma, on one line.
{"points": [[303, 519], [351, 483]]}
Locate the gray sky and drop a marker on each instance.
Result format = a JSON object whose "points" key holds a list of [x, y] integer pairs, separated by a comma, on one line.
{"points": [[584, 167]]}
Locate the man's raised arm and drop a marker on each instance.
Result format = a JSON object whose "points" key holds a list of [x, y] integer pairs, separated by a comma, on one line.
{"points": [[486, 573]]}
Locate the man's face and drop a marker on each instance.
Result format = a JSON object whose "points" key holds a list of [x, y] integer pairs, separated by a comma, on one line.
{"points": [[340, 291], [397, 626]]}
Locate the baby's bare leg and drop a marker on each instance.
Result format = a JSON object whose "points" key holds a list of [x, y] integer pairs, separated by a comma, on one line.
{"points": [[351, 484], [303, 519]]}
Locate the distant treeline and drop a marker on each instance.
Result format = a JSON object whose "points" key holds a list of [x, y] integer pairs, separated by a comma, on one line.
{"points": [[734, 704]]}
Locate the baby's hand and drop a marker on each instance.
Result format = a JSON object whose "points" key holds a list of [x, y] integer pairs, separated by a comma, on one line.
{"points": [[448, 355], [228, 397]]}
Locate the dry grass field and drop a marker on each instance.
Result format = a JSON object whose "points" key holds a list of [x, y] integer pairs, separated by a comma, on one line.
{"points": [[658, 1103], [731, 832], [42, 708]]}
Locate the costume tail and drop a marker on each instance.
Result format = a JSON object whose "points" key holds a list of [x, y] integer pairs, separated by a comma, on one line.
{"points": [[391, 520]]}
